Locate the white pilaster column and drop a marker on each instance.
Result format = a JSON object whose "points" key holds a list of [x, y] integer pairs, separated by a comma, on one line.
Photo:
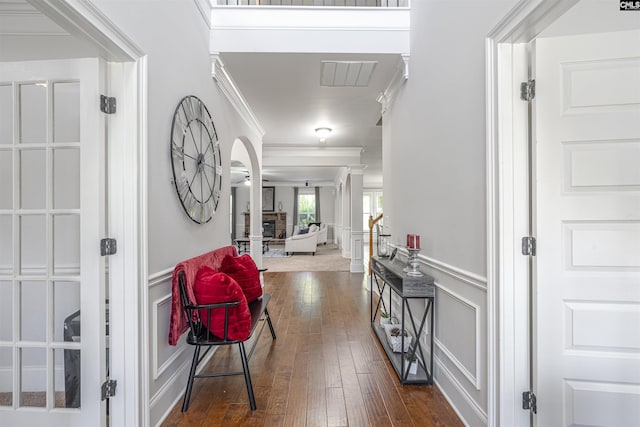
{"points": [[255, 233], [337, 233], [357, 233], [346, 218], [337, 225]]}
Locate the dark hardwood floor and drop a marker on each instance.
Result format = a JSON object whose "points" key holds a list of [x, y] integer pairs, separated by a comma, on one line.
{"points": [[326, 368]]}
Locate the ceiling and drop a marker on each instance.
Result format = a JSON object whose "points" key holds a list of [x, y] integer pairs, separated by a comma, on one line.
{"points": [[285, 93], [283, 90]]}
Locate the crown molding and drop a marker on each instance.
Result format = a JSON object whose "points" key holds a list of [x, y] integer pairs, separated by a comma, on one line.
{"points": [[356, 169], [401, 75], [317, 151], [233, 94], [281, 156], [204, 7]]}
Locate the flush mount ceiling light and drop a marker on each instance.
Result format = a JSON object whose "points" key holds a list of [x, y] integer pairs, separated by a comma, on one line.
{"points": [[323, 133]]}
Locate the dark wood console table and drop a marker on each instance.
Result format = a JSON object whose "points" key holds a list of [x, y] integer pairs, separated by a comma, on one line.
{"points": [[389, 274]]}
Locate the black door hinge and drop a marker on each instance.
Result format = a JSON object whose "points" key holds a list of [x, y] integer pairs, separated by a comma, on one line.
{"points": [[109, 389], [108, 247], [528, 90], [529, 246], [529, 401], [107, 104]]}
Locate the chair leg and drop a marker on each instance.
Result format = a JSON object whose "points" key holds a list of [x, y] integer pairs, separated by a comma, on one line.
{"points": [[247, 376], [192, 374], [273, 331]]}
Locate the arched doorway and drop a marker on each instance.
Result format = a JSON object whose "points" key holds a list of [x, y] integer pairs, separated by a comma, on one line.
{"points": [[246, 200]]}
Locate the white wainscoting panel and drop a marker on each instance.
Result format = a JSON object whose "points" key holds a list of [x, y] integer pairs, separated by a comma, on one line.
{"points": [[456, 316], [164, 355]]}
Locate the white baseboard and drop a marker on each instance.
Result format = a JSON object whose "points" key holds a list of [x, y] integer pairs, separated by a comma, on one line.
{"points": [[462, 403], [172, 391]]}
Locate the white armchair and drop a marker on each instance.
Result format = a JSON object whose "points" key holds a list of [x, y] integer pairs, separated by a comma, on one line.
{"points": [[322, 234], [301, 243]]}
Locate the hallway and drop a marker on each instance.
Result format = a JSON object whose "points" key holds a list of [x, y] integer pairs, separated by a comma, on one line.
{"points": [[326, 367]]}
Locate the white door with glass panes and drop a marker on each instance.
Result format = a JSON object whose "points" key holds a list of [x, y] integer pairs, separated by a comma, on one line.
{"points": [[587, 155], [52, 294]]}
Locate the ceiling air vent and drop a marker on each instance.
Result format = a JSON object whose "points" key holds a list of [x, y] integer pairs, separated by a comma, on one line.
{"points": [[346, 73]]}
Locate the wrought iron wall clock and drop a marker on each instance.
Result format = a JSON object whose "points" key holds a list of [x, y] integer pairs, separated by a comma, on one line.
{"points": [[195, 159]]}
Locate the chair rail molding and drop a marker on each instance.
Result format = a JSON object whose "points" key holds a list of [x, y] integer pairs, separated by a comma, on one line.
{"points": [[460, 274], [160, 277]]}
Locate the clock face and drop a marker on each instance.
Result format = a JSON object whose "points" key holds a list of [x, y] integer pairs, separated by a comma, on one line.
{"points": [[195, 158]]}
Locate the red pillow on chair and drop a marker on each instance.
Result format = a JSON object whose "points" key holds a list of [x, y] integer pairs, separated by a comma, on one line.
{"points": [[244, 271], [212, 287]]}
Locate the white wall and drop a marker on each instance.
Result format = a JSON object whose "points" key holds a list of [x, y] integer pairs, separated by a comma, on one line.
{"points": [[434, 183], [175, 36]]}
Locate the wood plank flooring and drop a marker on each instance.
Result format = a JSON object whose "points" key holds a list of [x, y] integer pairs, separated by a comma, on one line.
{"points": [[326, 368]]}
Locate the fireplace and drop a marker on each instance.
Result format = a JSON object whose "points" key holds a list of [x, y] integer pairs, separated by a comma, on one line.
{"points": [[274, 224], [269, 228]]}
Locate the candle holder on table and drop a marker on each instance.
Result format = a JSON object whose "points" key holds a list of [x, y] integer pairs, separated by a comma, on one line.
{"points": [[413, 267]]}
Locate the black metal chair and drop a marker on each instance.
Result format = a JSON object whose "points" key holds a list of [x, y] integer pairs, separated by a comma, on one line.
{"points": [[199, 336]]}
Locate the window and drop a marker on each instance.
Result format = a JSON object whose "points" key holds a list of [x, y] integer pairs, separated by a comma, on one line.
{"points": [[371, 205], [306, 209]]}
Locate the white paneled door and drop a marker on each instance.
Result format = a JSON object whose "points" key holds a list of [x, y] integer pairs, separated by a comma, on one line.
{"points": [[52, 295], [587, 338]]}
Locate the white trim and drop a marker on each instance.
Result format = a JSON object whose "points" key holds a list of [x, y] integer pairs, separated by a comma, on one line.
{"points": [[309, 28], [86, 20], [143, 239], [204, 7], [284, 7], [493, 260], [388, 96], [464, 276], [233, 94], [160, 277], [445, 350], [474, 379], [159, 370], [181, 372], [475, 407], [522, 24], [324, 151]]}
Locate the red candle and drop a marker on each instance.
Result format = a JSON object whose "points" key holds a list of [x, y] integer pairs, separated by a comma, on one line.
{"points": [[417, 242], [408, 240]]}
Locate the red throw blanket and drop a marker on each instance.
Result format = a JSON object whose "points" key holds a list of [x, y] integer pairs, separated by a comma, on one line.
{"points": [[178, 323]]}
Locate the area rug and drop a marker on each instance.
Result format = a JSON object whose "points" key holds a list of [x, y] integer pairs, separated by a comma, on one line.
{"points": [[327, 258], [275, 253]]}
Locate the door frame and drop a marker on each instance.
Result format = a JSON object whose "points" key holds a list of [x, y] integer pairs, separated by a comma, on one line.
{"points": [[506, 159], [127, 195]]}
